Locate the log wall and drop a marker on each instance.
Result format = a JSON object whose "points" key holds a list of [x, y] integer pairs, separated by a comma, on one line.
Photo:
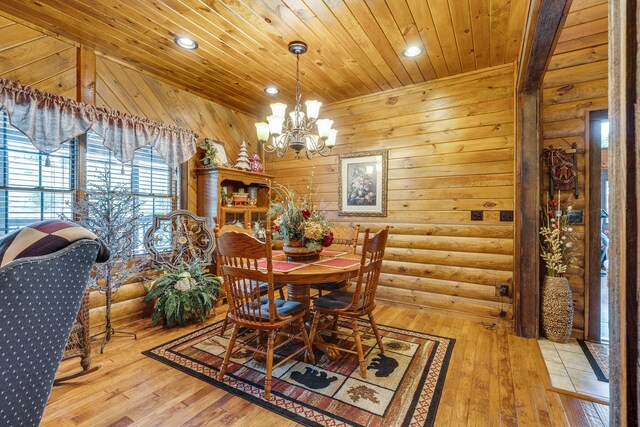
{"points": [[576, 83], [450, 145]]}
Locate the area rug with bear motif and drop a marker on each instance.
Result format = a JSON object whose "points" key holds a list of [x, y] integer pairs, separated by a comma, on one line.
{"points": [[402, 388]]}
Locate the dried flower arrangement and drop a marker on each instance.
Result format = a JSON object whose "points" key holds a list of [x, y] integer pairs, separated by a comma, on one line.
{"points": [[556, 237]]}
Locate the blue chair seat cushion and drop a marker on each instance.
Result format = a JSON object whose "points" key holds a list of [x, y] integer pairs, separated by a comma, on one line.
{"points": [[330, 286], [283, 307], [336, 300]]}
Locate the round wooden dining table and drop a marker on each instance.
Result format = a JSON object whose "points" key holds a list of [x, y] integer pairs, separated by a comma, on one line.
{"points": [[298, 283]]}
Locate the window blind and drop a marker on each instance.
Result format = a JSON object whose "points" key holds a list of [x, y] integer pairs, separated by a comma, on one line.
{"points": [[150, 179], [32, 189]]}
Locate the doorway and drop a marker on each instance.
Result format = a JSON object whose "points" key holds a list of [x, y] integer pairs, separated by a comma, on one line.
{"points": [[598, 227]]}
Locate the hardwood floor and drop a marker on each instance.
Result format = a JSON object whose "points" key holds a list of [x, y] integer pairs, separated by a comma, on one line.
{"points": [[494, 378]]}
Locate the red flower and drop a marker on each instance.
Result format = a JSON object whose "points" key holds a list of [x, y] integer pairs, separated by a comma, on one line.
{"points": [[327, 240], [276, 228], [554, 202], [306, 213], [550, 213]]}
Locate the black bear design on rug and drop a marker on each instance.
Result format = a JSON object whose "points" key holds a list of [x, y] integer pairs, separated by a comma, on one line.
{"points": [[313, 378], [383, 365]]}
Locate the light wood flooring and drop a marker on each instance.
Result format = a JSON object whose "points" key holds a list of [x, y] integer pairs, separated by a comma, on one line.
{"points": [[494, 379]]}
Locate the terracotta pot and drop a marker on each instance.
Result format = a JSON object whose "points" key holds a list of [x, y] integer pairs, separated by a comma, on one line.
{"points": [[557, 309]]}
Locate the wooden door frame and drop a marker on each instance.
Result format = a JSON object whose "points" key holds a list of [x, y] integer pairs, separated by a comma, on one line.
{"points": [[624, 183], [593, 297]]}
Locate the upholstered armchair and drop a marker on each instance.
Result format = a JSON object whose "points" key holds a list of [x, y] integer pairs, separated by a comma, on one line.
{"points": [[39, 301]]}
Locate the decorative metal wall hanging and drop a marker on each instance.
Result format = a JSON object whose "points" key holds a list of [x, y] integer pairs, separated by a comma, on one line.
{"points": [[562, 168]]}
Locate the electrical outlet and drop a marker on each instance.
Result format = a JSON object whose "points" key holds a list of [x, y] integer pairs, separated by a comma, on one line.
{"points": [[503, 290], [506, 216], [476, 215]]}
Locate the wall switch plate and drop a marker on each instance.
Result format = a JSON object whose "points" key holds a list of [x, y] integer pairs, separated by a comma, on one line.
{"points": [[476, 215], [506, 216]]}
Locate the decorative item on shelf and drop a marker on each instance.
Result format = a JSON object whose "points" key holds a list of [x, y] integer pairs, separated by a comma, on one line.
{"points": [[243, 158], [295, 131], [253, 193], [255, 163], [304, 229], [258, 230], [555, 250], [562, 169], [185, 295], [214, 155]]}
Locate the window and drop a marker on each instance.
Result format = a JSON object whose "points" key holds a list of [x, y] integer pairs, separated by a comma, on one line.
{"points": [[150, 179], [31, 190]]}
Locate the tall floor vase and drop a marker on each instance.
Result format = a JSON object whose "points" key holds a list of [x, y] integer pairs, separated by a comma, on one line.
{"points": [[557, 309]]}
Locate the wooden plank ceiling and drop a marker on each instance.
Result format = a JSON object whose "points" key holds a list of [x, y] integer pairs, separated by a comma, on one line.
{"points": [[354, 45]]}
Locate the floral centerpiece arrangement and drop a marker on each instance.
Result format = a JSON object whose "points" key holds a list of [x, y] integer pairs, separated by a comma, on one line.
{"points": [[184, 296], [555, 251], [298, 222]]}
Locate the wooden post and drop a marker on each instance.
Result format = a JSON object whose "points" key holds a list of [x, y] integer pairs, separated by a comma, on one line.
{"points": [[86, 92], [544, 23], [624, 173]]}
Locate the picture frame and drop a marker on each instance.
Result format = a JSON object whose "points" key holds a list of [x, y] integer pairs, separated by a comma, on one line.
{"points": [[362, 184]]}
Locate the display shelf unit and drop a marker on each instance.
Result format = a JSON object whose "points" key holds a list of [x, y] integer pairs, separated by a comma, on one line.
{"points": [[211, 181]]}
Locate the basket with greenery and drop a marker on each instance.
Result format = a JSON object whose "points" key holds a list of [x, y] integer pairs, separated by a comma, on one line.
{"points": [[184, 296]]}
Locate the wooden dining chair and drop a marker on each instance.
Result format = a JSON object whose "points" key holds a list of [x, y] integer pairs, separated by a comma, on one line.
{"points": [[358, 303], [351, 243], [262, 287], [240, 256]]}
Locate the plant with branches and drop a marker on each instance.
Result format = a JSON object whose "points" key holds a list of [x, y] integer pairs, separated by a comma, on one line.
{"points": [[114, 215]]}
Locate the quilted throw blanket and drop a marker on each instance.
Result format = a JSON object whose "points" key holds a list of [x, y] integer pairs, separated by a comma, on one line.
{"points": [[44, 238]]}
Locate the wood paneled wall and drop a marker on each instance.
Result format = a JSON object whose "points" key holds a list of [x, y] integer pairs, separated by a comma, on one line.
{"points": [[575, 83], [35, 59], [125, 89], [450, 145]]}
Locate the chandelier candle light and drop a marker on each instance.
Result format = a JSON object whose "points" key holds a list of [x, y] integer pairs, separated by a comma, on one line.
{"points": [[296, 130]]}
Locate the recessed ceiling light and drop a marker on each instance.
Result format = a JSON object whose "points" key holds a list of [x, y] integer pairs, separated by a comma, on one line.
{"points": [[186, 42], [272, 90], [412, 51]]}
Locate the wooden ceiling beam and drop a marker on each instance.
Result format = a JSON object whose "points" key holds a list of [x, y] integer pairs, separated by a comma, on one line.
{"points": [[542, 32]]}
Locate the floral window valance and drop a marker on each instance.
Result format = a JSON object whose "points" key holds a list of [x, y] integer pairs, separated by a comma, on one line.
{"points": [[50, 120]]}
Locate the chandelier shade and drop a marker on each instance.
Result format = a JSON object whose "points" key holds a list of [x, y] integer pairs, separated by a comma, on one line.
{"points": [[296, 131]]}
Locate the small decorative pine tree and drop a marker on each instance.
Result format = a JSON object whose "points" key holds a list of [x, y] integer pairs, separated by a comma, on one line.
{"points": [[243, 158], [114, 215]]}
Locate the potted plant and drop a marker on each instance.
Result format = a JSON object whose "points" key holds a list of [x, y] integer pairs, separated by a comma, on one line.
{"points": [[184, 296], [555, 251], [304, 229]]}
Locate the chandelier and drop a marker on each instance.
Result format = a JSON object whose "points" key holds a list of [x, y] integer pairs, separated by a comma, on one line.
{"points": [[295, 132]]}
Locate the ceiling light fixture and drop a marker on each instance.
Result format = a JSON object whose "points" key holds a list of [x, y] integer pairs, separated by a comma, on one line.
{"points": [[272, 90], [412, 51], [186, 42], [295, 132]]}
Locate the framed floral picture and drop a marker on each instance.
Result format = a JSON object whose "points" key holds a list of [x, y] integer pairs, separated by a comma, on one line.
{"points": [[362, 184]]}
